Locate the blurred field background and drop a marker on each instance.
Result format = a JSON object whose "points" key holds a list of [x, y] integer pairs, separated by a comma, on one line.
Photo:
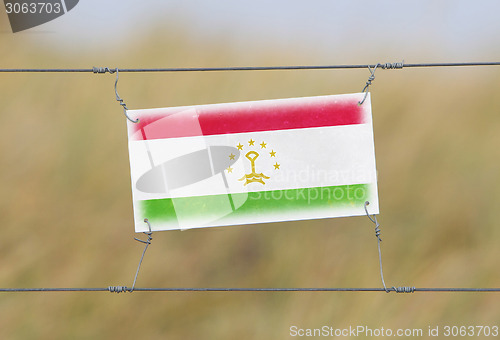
{"points": [[66, 209]]}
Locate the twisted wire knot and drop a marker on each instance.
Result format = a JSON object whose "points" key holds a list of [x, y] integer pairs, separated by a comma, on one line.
{"points": [[369, 81], [392, 66], [378, 231], [118, 289], [103, 70], [403, 289]]}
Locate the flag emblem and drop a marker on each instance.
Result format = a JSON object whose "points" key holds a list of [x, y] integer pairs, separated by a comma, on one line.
{"points": [[257, 151]]}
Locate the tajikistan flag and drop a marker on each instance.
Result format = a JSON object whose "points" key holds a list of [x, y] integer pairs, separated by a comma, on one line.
{"points": [[252, 162]]}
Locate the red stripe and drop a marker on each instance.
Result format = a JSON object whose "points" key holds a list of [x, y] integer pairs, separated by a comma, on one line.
{"points": [[247, 117]]}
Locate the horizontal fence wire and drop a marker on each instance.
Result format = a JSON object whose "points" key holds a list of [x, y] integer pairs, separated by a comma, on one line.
{"points": [[120, 289], [248, 68]]}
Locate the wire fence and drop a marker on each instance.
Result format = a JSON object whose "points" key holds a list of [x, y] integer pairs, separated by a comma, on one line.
{"points": [[371, 67]]}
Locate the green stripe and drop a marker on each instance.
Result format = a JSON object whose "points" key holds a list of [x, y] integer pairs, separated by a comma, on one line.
{"points": [[240, 206]]}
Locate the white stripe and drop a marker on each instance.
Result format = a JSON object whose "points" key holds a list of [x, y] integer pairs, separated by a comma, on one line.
{"points": [[311, 157]]}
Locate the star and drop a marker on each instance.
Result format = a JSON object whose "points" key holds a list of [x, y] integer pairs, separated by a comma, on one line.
{"points": [[263, 145], [239, 146], [251, 142], [231, 156], [229, 170], [273, 153], [276, 166]]}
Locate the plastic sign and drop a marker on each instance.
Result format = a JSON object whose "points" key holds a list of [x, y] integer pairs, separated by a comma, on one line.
{"points": [[252, 162]]}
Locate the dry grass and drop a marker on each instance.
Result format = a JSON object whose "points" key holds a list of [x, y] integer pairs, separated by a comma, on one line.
{"points": [[65, 205]]}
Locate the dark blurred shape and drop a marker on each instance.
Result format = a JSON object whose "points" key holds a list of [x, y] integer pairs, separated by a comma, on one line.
{"points": [[70, 4]]}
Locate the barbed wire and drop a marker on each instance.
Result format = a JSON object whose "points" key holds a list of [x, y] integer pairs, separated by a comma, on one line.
{"points": [[398, 65]]}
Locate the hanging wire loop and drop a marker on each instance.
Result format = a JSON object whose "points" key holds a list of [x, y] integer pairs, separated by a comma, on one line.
{"points": [[385, 66], [373, 218], [377, 234], [118, 99], [368, 83], [102, 70], [122, 289], [147, 243]]}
